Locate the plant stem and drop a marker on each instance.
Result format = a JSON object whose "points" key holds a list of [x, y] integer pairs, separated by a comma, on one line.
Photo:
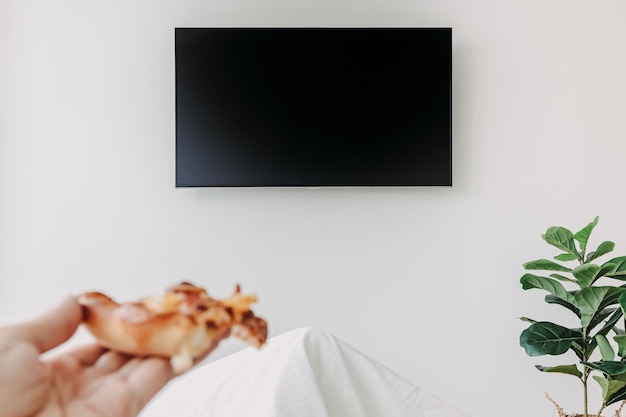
{"points": [[585, 399], [585, 374]]}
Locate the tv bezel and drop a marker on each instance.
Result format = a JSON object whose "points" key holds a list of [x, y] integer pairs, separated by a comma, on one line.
{"points": [[446, 183]]}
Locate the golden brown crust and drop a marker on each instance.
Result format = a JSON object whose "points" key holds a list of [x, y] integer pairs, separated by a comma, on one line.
{"points": [[184, 324]]}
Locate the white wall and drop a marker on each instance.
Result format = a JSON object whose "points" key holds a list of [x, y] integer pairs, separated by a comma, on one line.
{"points": [[423, 279]]}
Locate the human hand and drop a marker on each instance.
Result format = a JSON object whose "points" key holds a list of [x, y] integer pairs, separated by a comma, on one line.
{"points": [[88, 381]]}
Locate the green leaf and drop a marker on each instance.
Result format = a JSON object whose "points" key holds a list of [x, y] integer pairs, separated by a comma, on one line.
{"points": [[552, 299], [563, 239], [618, 270], [561, 369], [588, 301], [565, 257], [603, 249], [621, 300], [618, 396], [616, 314], [562, 278], [583, 235], [620, 377], [606, 351], [606, 268], [579, 351], [586, 274], [528, 320], [554, 287], [545, 265], [544, 338], [609, 387], [607, 367], [591, 300], [620, 339]]}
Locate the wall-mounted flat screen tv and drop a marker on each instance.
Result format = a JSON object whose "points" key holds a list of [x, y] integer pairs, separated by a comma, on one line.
{"points": [[313, 107]]}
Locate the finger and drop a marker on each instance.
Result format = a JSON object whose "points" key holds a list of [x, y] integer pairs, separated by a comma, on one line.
{"points": [[109, 362], [86, 355], [52, 328], [129, 367], [148, 378]]}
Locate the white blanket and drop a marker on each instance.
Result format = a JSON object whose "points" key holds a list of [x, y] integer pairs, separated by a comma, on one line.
{"points": [[302, 373]]}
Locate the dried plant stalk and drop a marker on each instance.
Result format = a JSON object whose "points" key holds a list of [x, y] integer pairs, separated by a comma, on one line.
{"points": [[557, 406], [561, 413]]}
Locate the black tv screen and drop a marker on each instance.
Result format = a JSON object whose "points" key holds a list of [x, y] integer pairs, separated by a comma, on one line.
{"points": [[313, 107]]}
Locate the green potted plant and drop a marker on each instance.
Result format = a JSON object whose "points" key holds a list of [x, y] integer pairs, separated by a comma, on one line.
{"points": [[595, 294]]}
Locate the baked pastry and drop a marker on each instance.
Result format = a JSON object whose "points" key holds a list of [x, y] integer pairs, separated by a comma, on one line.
{"points": [[183, 324]]}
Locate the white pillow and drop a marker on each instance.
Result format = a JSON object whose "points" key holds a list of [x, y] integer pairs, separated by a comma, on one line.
{"points": [[302, 373]]}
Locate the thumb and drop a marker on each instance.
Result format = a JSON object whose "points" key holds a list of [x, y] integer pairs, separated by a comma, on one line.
{"points": [[52, 328]]}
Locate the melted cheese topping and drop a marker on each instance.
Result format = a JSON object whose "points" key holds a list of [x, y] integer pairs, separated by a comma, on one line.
{"points": [[165, 303]]}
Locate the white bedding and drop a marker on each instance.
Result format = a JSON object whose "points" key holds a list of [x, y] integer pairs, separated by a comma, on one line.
{"points": [[302, 373]]}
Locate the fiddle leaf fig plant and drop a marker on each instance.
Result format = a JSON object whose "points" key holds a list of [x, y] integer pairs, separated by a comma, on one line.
{"points": [[595, 293]]}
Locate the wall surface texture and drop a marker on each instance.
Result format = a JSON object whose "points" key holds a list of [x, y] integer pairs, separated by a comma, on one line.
{"points": [[426, 280]]}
